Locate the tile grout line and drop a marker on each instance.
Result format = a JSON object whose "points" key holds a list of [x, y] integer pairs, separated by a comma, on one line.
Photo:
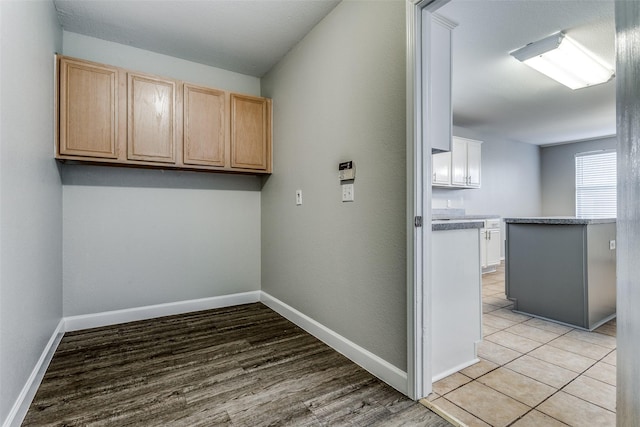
{"points": [[562, 388], [582, 373]]}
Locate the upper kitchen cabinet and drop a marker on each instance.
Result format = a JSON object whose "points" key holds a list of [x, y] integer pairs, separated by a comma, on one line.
{"points": [[465, 162], [113, 116], [436, 71], [459, 168], [151, 108], [88, 113], [205, 126], [441, 168], [250, 132]]}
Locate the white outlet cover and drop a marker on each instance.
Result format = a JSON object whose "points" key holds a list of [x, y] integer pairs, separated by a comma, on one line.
{"points": [[298, 197]]}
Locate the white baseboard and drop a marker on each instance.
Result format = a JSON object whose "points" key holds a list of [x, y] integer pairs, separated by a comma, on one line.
{"points": [[22, 403], [382, 369], [454, 370], [106, 318]]}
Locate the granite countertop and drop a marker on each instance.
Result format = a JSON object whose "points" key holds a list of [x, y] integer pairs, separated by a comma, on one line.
{"points": [[559, 220], [455, 225], [437, 217], [456, 219]]}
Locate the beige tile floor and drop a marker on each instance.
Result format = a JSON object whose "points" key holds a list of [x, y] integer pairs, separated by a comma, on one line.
{"points": [[532, 372]]}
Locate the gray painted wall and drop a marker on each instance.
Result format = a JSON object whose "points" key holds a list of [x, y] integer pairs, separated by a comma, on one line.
{"points": [[136, 237], [340, 95], [559, 174], [30, 193]]}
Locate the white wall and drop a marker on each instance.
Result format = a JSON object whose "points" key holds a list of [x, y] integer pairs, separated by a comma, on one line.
{"points": [[136, 237], [340, 95], [30, 193], [511, 180], [93, 49], [559, 174]]}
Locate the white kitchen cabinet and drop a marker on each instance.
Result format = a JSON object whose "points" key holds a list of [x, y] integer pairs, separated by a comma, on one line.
{"points": [[436, 71], [490, 245], [441, 168], [456, 292], [459, 168], [465, 162]]}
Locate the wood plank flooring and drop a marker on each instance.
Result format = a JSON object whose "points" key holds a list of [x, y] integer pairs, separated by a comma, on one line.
{"points": [[236, 366]]}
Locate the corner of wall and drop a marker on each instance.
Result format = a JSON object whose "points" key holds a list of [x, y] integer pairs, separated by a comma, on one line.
{"points": [[30, 195]]}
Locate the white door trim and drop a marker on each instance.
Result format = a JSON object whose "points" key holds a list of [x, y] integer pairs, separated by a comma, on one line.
{"points": [[418, 205]]}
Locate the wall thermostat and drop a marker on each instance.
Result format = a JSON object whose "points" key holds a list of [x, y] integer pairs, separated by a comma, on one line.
{"points": [[347, 171]]}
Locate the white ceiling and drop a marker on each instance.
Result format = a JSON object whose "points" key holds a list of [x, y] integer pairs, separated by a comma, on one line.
{"points": [[246, 36], [492, 93], [495, 94]]}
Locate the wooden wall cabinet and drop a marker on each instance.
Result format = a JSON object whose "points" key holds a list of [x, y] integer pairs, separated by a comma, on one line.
{"points": [[250, 130], [205, 133], [88, 125], [110, 115], [151, 107]]}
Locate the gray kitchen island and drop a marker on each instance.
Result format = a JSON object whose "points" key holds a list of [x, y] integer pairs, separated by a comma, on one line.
{"points": [[562, 269]]}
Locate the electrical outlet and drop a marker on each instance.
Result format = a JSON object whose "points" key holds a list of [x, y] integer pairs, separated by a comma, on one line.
{"points": [[347, 192], [298, 197], [612, 244]]}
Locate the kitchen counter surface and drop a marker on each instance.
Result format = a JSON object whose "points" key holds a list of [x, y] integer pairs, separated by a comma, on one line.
{"points": [[455, 224], [440, 217], [559, 220]]}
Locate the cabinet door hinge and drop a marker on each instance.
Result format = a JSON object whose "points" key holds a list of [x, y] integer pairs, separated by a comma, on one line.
{"points": [[418, 221]]}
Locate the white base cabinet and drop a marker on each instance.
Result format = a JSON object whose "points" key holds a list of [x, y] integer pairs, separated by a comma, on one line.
{"points": [[456, 295], [490, 244]]}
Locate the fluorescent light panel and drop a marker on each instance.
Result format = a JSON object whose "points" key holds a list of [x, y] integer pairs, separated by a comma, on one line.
{"points": [[566, 61]]}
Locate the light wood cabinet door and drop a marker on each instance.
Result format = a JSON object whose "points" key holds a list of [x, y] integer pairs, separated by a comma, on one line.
{"points": [[88, 109], [151, 118], [205, 132], [250, 132]]}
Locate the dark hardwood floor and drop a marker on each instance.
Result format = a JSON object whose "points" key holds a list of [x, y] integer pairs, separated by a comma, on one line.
{"points": [[236, 366]]}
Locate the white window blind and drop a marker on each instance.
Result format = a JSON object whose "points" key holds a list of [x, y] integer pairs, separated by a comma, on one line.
{"points": [[596, 184]]}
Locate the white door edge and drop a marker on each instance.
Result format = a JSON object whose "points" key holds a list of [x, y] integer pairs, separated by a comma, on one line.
{"points": [[418, 205]]}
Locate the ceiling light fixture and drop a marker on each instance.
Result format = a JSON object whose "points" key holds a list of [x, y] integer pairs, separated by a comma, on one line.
{"points": [[565, 61]]}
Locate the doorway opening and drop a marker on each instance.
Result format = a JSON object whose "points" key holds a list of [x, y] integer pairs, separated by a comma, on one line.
{"points": [[491, 288]]}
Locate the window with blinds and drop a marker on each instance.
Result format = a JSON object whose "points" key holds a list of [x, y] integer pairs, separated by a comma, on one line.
{"points": [[596, 184]]}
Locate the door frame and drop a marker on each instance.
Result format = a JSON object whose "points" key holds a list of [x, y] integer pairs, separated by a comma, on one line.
{"points": [[419, 298]]}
